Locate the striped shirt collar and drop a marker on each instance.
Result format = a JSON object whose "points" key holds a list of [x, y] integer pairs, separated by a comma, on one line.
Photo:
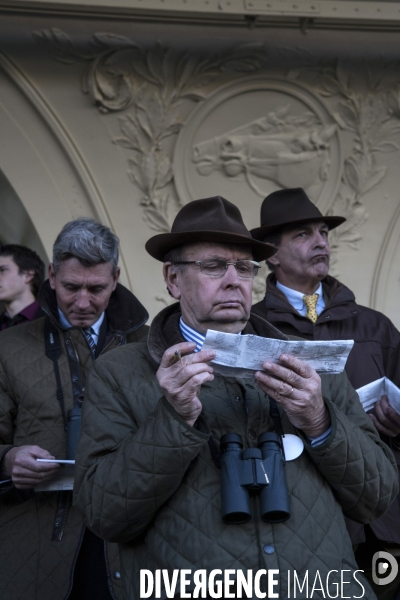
{"points": [[192, 335]]}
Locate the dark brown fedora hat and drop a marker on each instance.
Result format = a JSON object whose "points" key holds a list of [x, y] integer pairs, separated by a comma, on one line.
{"points": [[289, 207], [213, 220]]}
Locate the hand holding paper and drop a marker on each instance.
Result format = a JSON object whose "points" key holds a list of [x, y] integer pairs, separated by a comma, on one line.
{"points": [[381, 400], [181, 380], [385, 418], [26, 472], [297, 387]]}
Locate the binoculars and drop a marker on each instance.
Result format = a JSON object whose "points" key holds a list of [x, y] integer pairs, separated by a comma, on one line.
{"points": [[73, 431], [259, 470]]}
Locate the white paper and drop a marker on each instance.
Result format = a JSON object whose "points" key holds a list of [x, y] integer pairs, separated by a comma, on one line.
{"points": [[241, 355], [63, 480], [56, 460], [369, 394]]}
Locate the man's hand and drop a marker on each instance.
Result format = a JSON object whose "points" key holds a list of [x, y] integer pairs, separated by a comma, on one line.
{"points": [[385, 418], [21, 466], [181, 380], [297, 387]]}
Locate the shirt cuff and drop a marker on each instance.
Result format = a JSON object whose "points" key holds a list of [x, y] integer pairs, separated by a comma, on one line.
{"points": [[318, 441]]}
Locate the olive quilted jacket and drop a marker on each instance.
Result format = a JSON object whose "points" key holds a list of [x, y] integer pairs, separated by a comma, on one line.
{"points": [[147, 480], [32, 566]]}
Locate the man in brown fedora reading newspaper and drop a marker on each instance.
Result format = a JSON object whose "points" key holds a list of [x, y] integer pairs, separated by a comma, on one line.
{"points": [[303, 300], [154, 474]]}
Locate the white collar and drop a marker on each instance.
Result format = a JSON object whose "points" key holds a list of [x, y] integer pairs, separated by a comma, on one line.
{"points": [[295, 298]]}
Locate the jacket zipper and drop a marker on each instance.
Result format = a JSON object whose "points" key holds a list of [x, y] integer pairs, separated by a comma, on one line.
{"points": [[71, 577], [108, 572]]}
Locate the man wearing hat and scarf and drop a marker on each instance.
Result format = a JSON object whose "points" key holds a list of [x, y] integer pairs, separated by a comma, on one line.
{"points": [[303, 300], [148, 461]]}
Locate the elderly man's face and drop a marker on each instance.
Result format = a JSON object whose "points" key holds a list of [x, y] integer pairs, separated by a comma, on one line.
{"points": [[220, 303], [302, 260], [82, 292]]}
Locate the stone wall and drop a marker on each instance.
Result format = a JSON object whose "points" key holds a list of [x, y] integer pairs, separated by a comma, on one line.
{"points": [[127, 120]]}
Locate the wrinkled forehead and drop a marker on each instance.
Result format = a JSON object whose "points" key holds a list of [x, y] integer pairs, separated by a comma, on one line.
{"points": [[72, 270], [225, 251]]}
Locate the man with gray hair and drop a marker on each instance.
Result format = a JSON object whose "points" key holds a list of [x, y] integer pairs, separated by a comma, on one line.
{"points": [[46, 552]]}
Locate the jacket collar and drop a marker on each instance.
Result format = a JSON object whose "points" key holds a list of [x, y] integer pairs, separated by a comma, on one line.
{"points": [[124, 312], [165, 331], [337, 295]]}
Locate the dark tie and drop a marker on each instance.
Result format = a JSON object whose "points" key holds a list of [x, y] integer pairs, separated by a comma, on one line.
{"points": [[88, 334]]}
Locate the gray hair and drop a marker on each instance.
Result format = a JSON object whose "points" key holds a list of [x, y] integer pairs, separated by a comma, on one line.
{"points": [[87, 240], [175, 255]]}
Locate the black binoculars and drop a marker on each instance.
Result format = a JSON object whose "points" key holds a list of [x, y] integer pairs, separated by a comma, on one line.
{"points": [[258, 470], [73, 431]]}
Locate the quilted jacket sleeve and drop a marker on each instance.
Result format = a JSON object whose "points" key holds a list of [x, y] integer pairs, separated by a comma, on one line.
{"points": [[360, 468], [8, 411], [130, 459]]}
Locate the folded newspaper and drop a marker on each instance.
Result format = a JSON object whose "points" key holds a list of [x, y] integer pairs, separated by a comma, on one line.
{"points": [[241, 355], [369, 394]]}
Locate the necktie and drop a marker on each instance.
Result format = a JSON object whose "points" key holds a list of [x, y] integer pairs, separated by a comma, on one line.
{"points": [[88, 334], [311, 303]]}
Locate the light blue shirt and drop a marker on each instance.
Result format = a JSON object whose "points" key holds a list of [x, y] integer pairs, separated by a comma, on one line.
{"points": [[295, 298], [95, 327]]}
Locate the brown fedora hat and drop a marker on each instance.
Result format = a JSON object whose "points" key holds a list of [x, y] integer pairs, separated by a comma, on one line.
{"points": [[289, 207], [213, 220]]}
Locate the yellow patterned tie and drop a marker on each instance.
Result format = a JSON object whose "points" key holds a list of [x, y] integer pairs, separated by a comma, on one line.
{"points": [[311, 303]]}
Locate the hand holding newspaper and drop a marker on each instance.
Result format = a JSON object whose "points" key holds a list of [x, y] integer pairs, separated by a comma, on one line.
{"points": [[241, 355], [369, 394]]}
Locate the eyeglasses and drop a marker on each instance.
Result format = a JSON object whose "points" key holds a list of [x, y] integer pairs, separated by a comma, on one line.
{"points": [[218, 267]]}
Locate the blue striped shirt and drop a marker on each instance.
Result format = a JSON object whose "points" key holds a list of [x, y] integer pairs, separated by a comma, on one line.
{"points": [[192, 335]]}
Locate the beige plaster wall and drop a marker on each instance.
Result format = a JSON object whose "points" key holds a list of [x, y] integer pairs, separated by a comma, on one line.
{"points": [[126, 121]]}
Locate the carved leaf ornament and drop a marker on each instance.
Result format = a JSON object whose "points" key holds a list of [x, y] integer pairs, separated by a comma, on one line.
{"points": [[160, 86], [157, 88], [368, 108]]}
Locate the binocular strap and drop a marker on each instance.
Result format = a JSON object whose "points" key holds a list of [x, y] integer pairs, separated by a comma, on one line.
{"points": [[53, 352], [276, 419]]}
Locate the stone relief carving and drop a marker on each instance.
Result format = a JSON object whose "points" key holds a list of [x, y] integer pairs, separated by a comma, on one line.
{"points": [[262, 131], [158, 88], [288, 150], [162, 86], [368, 108]]}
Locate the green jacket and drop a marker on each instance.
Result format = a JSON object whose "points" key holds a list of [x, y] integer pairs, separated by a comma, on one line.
{"points": [[147, 480], [32, 566]]}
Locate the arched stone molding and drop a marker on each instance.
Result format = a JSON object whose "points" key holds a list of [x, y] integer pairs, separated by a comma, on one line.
{"points": [[57, 184], [385, 289], [16, 226]]}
